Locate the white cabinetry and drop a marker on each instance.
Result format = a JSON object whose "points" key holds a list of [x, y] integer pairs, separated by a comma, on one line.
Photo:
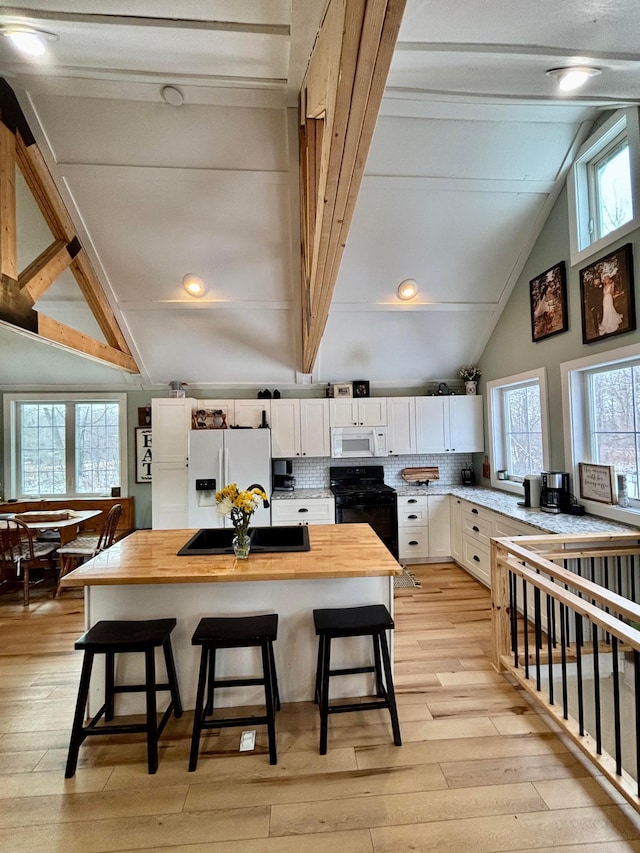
{"points": [[413, 529], [478, 525], [171, 422], [401, 425], [439, 527], [451, 424], [248, 413], [300, 427], [366, 411], [455, 513], [312, 511], [423, 528]]}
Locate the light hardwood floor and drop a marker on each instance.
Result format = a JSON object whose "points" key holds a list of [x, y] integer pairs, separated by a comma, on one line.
{"points": [[478, 769]]}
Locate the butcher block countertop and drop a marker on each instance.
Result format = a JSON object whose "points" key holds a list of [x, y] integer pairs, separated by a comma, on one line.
{"points": [[150, 557]]}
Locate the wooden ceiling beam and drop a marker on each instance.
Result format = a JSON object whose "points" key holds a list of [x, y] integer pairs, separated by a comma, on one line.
{"points": [[71, 339], [45, 192], [345, 85], [8, 240], [36, 279]]}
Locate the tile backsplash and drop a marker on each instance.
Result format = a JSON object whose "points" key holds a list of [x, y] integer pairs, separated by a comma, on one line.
{"points": [[314, 473]]}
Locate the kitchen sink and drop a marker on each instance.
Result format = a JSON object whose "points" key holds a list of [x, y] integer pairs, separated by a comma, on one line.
{"points": [[264, 540]]}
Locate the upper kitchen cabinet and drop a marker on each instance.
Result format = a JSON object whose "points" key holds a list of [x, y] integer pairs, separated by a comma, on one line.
{"points": [[227, 407], [171, 421], [300, 427], [401, 425], [248, 413], [451, 424], [366, 411]]}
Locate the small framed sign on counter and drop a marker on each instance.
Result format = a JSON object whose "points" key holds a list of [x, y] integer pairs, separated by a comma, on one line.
{"points": [[597, 482]]}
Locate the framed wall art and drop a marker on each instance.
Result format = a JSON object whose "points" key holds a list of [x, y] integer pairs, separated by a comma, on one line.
{"points": [[548, 298], [342, 389], [597, 482], [360, 388], [607, 299], [144, 455]]}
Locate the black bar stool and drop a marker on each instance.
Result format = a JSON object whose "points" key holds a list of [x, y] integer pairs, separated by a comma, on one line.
{"points": [[235, 632], [115, 637], [332, 623]]}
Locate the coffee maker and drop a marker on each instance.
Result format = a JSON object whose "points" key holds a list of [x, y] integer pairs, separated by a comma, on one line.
{"points": [[283, 479], [555, 495]]}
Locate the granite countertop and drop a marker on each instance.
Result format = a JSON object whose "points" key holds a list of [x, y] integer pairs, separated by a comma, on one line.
{"points": [[302, 494]]}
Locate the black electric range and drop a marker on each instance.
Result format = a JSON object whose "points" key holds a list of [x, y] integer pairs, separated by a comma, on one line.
{"points": [[362, 496]]}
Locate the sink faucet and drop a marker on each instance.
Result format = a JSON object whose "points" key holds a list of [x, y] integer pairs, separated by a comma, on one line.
{"points": [[265, 502]]}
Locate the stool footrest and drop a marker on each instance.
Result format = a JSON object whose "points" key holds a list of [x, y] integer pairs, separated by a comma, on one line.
{"points": [[237, 682], [358, 706], [230, 722], [137, 688], [352, 671]]}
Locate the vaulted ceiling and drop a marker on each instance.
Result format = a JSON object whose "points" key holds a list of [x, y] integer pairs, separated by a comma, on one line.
{"points": [[469, 153]]}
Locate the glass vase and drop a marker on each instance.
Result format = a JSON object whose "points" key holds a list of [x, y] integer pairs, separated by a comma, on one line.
{"points": [[241, 544]]}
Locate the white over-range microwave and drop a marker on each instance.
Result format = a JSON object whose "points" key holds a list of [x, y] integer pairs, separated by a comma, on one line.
{"points": [[354, 442]]}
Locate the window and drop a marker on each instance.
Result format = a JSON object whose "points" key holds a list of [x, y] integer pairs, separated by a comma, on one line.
{"points": [[601, 399], [518, 423], [59, 446], [604, 189]]}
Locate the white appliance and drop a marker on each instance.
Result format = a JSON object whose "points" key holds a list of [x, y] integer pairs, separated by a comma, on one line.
{"points": [[355, 442], [218, 457]]}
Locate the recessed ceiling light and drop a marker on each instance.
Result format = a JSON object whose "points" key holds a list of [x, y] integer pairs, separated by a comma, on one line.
{"points": [[193, 285], [573, 77], [173, 96], [28, 40], [407, 289]]}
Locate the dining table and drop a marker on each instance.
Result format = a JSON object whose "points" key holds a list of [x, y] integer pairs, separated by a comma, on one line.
{"points": [[66, 521]]}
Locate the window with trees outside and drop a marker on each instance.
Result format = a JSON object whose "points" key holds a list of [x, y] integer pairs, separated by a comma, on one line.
{"points": [[69, 447], [613, 400], [518, 421], [604, 187]]}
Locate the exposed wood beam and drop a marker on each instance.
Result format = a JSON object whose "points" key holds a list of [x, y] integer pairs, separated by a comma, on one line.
{"points": [[36, 279], [8, 241], [344, 85], [74, 341]]}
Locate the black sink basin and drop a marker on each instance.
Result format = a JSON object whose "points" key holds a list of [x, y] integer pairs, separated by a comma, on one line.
{"points": [[264, 540]]}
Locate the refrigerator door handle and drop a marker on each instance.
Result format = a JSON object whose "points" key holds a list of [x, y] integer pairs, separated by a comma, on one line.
{"points": [[225, 470]]}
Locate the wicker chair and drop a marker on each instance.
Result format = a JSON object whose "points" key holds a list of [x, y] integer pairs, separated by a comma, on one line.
{"points": [[84, 547], [20, 552]]}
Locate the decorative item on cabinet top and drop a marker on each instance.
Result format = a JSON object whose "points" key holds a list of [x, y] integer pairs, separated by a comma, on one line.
{"points": [[209, 419], [360, 388], [342, 389], [420, 476]]}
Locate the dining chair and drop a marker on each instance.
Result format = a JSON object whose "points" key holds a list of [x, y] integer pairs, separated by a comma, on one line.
{"points": [[20, 553], [73, 553]]}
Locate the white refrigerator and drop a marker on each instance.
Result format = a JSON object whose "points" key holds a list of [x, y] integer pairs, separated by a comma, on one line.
{"points": [[218, 457]]}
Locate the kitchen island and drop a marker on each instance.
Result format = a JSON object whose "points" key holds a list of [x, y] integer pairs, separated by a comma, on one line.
{"points": [[142, 577]]}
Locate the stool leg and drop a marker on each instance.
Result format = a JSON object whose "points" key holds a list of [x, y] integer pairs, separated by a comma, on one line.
{"points": [[324, 694], [109, 682], [208, 711], [391, 696], [152, 715], [274, 676], [269, 696], [380, 691], [316, 695], [77, 733], [172, 678], [198, 712]]}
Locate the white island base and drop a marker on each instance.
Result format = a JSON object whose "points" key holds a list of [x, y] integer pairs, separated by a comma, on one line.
{"points": [[295, 648]]}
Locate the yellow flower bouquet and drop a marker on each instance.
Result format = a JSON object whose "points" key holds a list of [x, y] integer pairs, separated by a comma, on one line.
{"points": [[239, 506]]}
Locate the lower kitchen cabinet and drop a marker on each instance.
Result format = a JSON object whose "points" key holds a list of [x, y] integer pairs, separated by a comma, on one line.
{"points": [[312, 511], [423, 528]]}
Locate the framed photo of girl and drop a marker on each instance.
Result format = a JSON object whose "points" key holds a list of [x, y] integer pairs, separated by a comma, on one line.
{"points": [[607, 298], [548, 297]]}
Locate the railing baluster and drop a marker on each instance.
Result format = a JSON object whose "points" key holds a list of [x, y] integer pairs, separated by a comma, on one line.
{"points": [[616, 706], [513, 605], [538, 632], [526, 628], [579, 673], [550, 645], [636, 684], [563, 650], [596, 688]]}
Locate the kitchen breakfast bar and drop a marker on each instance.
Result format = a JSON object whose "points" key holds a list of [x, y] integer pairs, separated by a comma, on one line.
{"points": [[142, 577]]}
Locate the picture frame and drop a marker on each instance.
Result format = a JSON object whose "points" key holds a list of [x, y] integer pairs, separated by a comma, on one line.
{"points": [[548, 303], [607, 296], [360, 387], [597, 482], [342, 389], [144, 455]]}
